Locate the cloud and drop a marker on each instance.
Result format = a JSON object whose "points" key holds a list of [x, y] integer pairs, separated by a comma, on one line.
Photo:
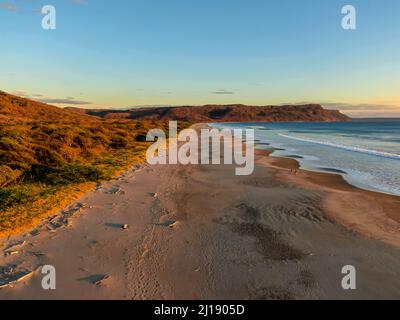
{"points": [[345, 106], [79, 2], [298, 103], [359, 107], [41, 98], [20, 93], [363, 110], [223, 91], [8, 6], [68, 100]]}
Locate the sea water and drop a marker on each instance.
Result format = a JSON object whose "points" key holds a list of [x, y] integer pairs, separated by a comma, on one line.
{"points": [[365, 152]]}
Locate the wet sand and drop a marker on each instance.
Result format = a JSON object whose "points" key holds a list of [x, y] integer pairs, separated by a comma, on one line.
{"points": [[200, 232], [372, 214]]}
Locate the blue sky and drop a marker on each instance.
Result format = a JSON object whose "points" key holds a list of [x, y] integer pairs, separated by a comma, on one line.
{"points": [[147, 52]]}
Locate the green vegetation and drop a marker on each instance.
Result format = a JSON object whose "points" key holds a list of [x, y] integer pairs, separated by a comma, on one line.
{"points": [[44, 166]]}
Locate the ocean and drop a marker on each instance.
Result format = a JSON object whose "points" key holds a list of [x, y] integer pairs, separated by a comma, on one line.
{"points": [[365, 152]]}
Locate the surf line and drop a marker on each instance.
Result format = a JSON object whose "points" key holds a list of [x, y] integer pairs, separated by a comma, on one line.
{"points": [[238, 145], [346, 147]]}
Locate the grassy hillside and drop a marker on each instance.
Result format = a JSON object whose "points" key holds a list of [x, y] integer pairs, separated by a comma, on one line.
{"points": [[47, 161], [17, 110]]}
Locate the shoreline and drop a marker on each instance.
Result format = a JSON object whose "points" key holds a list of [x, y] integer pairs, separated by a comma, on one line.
{"points": [[366, 164], [377, 215], [324, 170], [383, 224]]}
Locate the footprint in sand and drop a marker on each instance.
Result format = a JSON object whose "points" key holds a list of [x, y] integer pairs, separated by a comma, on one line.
{"points": [[14, 248], [115, 190], [10, 276], [117, 226], [96, 279], [169, 223]]}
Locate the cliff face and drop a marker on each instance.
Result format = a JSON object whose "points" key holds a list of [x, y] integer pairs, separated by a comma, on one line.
{"points": [[228, 113]]}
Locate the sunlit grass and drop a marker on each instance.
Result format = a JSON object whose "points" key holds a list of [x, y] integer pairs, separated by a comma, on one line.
{"points": [[45, 167]]}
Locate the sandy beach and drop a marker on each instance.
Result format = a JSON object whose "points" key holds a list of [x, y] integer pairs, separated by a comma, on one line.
{"points": [[217, 152], [200, 232]]}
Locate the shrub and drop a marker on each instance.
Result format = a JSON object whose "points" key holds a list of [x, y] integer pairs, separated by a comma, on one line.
{"points": [[118, 142], [13, 196], [8, 175], [140, 138], [67, 174]]}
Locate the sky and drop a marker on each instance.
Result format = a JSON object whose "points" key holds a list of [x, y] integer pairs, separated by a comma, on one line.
{"points": [[124, 53]]}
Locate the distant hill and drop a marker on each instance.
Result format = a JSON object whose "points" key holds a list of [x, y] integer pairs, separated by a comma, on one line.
{"points": [[14, 110], [223, 113], [17, 110]]}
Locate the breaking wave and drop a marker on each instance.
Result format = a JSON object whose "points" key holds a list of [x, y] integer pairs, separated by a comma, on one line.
{"points": [[346, 147]]}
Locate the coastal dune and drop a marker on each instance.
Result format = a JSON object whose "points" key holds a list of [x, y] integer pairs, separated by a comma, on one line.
{"points": [[200, 232]]}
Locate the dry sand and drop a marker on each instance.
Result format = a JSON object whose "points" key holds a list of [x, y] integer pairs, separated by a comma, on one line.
{"points": [[200, 232]]}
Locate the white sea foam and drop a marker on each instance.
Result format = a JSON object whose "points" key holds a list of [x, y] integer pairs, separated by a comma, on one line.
{"points": [[369, 160], [346, 147]]}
